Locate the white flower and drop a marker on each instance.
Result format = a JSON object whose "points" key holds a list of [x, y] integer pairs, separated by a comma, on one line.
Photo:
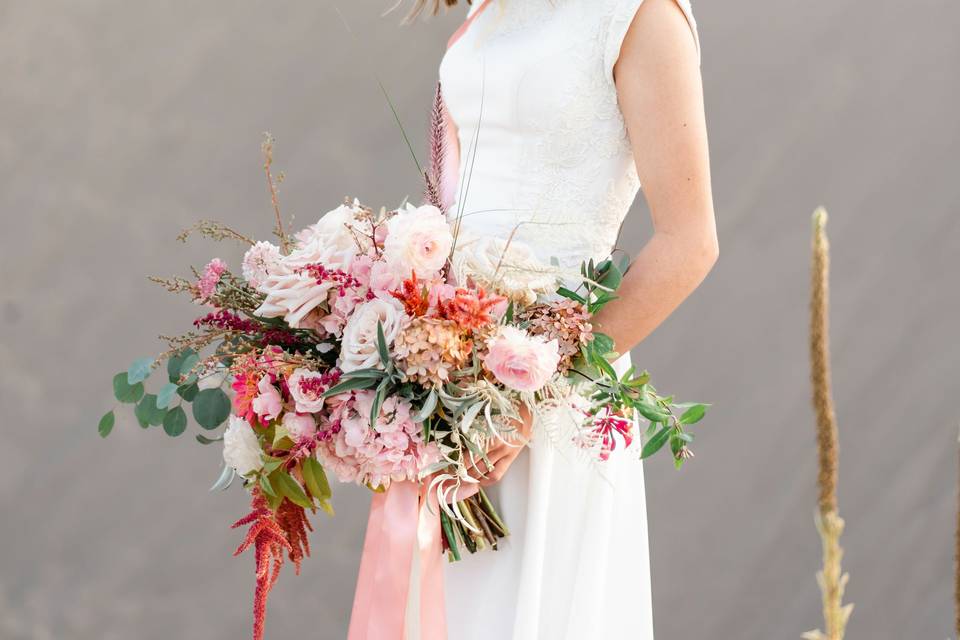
{"points": [[259, 261], [418, 240], [359, 349], [241, 448], [508, 267], [339, 230]]}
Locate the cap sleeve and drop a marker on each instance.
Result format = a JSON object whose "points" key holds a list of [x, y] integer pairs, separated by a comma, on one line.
{"points": [[623, 12]]}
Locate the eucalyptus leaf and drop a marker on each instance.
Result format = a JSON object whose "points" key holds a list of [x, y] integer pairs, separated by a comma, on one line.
{"points": [[166, 395], [211, 408], [202, 439], [148, 413], [175, 422], [124, 391], [106, 424], [188, 391], [139, 370]]}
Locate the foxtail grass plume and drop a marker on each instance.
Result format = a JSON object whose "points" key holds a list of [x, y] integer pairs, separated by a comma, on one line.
{"points": [[829, 524]]}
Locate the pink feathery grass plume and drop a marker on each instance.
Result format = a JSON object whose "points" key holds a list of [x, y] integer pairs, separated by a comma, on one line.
{"points": [[441, 179]]}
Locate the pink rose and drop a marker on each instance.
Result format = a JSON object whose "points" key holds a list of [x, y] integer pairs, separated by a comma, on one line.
{"points": [[418, 240], [268, 403], [300, 426], [520, 361]]}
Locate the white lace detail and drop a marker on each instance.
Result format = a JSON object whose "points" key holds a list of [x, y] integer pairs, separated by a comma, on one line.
{"points": [[553, 165]]}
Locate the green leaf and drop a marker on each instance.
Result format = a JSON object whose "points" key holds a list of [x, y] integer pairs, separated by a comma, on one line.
{"points": [[573, 295], [148, 413], [202, 439], [378, 399], [175, 422], [267, 487], [429, 405], [367, 373], [510, 312], [652, 412], [124, 391], [610, 274], [291, 489], [315, 478], [166, 394], [210, 408], [382, 346], [694, 414], [106, 424], [655, 443], [351, 384], [601, 344], [225, 480], [188, 391], [139, 370]]}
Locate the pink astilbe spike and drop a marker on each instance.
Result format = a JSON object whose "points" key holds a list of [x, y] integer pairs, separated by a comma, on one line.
{"points": [[269, 542], [433, 178]]}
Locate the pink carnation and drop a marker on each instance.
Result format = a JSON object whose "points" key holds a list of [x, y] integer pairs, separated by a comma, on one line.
{"points": [[520, 361], [211, 278]]}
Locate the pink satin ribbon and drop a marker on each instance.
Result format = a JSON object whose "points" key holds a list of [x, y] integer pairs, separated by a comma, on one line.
{"points": [[403, 520]]}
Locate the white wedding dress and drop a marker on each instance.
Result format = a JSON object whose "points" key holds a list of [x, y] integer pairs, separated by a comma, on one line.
{"points": [[544, 156]]}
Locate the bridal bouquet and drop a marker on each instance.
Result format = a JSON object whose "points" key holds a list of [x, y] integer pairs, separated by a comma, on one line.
{"points": [[389, 347]]}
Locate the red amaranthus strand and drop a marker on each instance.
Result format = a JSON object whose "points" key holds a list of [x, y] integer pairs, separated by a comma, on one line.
{"points": [[269, 540], [293, 520]]}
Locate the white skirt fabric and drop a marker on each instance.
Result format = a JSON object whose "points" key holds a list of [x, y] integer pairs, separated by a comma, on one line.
{"points": [[575, 566]]}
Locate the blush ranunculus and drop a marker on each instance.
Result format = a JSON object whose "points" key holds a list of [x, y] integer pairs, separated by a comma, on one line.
{"points": [[268, 404], [418, 241], [300, 426], [520, 361]]}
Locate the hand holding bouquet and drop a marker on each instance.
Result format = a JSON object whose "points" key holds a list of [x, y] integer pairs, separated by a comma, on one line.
{"points": [[389, 347]]}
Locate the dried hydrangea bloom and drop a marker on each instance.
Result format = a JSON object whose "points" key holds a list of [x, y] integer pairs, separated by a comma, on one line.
{"points": [[428, 350], [565, 321]]}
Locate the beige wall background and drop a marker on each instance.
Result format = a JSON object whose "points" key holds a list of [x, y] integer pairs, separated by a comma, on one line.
{"points": [[121, 122]]}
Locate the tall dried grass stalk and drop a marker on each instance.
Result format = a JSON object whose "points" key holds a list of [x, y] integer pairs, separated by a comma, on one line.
{"points": [[829, 524]]}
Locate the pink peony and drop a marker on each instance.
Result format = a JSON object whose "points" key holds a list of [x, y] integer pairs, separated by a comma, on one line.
{"points": [[268, 404], [211, 278], [520, 361]]}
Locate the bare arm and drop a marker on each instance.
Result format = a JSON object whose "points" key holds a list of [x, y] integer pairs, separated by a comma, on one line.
{"points": [[661, 97]]}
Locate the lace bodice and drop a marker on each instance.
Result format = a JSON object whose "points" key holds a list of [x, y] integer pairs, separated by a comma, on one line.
{"points": [[544, 153]]}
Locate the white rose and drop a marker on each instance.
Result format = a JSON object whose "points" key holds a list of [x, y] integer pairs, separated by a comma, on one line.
{"points": [[340, 230], [418, 240], [359, 347], [508, 267], [241, 448]]}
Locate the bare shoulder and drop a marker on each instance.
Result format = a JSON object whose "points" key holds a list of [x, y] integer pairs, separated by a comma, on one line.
{"points": [[662, 33]]}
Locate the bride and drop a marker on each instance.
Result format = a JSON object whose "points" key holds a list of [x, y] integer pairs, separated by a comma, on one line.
{"points": [[560, 110]]}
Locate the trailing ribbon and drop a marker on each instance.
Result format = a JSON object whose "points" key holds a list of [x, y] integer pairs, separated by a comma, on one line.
{"points": [[404, 519]]}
